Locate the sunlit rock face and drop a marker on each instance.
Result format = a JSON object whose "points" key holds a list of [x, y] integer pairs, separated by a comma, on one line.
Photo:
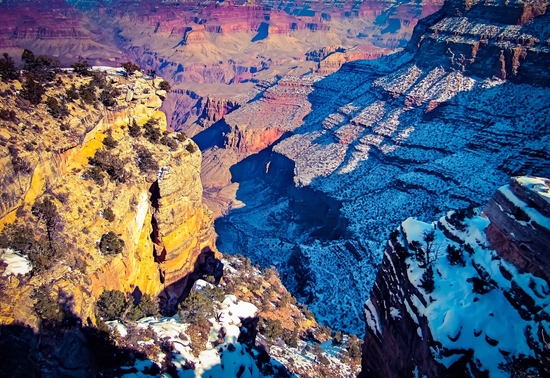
{"points": [[486, 310], [159, 214], [413, 134]]}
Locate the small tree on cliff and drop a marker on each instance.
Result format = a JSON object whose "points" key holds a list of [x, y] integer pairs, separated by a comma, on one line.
{"points": [[196, 307], [111, 304], [338, 338], [147, 306], [108, 95], [81, 68], [427, 281], [133, 129], [109, 142], [45, 307], [483, 283], [109, 214], [32, 89], [145, 160], [353, 347], [57, 109], [455, 255], [151, 131], [111, 244], [46, 212], [164, 85], [42, 67], [7, 68], [130, 68]]}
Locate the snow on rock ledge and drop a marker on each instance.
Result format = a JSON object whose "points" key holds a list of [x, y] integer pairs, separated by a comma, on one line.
{"points": [[217, 360], [484, 314], [16, 262], [520, 224]]}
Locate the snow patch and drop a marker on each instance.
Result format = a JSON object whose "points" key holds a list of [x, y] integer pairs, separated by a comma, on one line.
{"points": [[17, 262], [540, 219], [373, 321]]}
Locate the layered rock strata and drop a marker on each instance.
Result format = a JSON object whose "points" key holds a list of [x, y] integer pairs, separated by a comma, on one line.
{"points": [[522, 237], [482, 314], [405, 135], [159, 216]]}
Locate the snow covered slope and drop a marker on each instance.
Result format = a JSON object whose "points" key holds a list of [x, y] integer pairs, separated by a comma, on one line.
{"points": [[446, 303], [256, 330], [413, 134]]}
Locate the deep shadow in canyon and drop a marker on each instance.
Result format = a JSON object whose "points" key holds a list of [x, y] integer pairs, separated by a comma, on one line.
{"points": [[281, 219], [63, 348]]}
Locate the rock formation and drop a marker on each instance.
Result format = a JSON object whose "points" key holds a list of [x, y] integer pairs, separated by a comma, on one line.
{"points": [[158, 213], [519, 237], [486, 311], [411, 134], [210, 43]]}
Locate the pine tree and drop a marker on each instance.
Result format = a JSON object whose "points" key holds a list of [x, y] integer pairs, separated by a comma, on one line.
{"points": [[427, 280], [134, 130], [455, 255], [7, 68], [130, 68], [111, 304], [338, 338], [197, 306], [32, 90]]}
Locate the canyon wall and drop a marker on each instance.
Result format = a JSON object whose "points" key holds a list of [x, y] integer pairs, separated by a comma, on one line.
{"points": [[411, 134], [211, 43], [158, 213], [486, 310]]}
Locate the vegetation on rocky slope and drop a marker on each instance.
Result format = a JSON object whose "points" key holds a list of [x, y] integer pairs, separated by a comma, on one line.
{"points": [[75, 188]]}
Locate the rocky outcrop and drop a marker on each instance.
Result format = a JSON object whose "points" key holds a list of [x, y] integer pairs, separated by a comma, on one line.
{"points": [[159, 215], [484, 311], [519, 236], [503, 39], [250, 129]]}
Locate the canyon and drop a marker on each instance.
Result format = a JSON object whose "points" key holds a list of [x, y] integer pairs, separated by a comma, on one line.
{"points": [[411, 134], [353, 146], [209, 49]]}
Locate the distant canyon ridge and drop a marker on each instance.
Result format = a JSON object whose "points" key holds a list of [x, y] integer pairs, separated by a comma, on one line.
{"points": [[211, 52]]}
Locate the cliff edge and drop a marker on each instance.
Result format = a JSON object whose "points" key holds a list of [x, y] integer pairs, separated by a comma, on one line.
{"points": [[466, 295], [97, 193]]}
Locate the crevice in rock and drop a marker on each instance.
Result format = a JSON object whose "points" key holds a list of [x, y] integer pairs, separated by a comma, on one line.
{"points": [[159, 252], [155, 195], [205, 265]]}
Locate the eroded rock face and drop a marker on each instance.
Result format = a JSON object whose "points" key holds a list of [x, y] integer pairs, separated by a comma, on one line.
{"points": [[522, 237], [503, 39], [486, 310], [160, 216], [405, 135], [280, 108], [223, 43]]}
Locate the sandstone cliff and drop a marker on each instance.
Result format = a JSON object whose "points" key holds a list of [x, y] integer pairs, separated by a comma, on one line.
{"points": [[158, 213], [485, 311]]}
